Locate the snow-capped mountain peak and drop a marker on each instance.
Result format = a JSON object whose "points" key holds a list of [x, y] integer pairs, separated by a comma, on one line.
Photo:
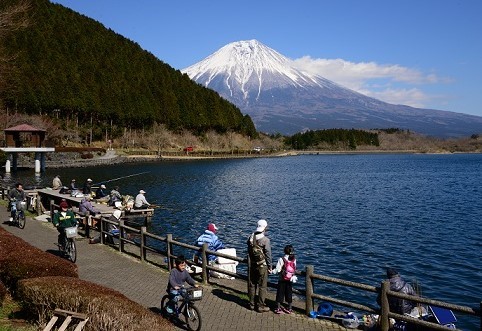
{"points": [[248, 66]]}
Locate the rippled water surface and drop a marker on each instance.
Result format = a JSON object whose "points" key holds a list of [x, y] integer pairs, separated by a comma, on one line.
{"points": [[349, 215]]}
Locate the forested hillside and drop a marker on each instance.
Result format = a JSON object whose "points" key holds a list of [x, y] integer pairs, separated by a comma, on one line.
{"points": [[73, 68]]}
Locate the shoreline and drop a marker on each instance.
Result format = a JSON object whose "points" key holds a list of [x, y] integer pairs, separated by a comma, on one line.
{"points": [[112, 158]]}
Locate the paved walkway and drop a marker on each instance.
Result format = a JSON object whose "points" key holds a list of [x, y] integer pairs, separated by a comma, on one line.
{"points": [[145, 284]]}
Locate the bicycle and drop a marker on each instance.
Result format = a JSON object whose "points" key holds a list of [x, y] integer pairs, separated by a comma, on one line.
{"points": [[190, 312], [19, 208], [69, 249]]}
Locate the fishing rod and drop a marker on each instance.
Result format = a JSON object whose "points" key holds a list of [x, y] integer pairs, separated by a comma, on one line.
{"points": [[111, 180]]}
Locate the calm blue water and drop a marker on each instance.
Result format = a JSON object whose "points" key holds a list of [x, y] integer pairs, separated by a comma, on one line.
{"points": [[349, 215]]}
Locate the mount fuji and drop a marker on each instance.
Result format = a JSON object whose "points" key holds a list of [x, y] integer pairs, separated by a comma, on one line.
{"points": [[280, 98]]}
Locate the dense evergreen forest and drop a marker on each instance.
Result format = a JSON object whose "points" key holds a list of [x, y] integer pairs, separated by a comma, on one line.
{"points": [[334, 137], [73, 68]]}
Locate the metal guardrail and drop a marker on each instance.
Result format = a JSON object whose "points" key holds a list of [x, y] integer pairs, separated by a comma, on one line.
{"points": [[309, 274]]}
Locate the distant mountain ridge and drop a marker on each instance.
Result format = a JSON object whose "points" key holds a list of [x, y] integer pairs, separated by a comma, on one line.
{"points": [[280, 98]]}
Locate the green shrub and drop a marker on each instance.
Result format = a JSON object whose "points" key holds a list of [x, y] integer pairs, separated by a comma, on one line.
{"points": [[107, 309], [20, 260]]}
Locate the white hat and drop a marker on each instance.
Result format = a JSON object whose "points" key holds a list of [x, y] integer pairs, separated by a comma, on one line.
{"points": [[262, 224], [117, 213], [89, 180], [142, 191], [102, 186]]}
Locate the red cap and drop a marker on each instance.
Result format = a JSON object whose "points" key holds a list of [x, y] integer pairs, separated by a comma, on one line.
{"points": [[212, 227], [64, 205]]}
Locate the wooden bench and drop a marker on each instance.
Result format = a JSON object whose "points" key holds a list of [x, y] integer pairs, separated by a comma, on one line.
{"points": [[69, 316]]}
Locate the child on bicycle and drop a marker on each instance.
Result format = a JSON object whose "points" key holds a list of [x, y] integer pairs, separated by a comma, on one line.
{"points": [[177, 278], [65, 218], [286, 267]]}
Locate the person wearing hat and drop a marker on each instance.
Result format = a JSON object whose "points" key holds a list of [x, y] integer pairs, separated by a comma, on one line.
{"points": [[398, 284], [209, 237], [87, 187], [114, 196], [62, 219], [259, 266], [101, 195], [56, 183], [73, 186], [112, 229], [140, 201], [86, 208]]}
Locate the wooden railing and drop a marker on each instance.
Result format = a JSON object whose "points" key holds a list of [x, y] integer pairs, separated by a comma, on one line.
{"points": [[165, 257]]}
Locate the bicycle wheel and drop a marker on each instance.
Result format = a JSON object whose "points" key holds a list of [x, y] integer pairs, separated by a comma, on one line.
{"points": [[71, 250], [193, 317], [164, 301], [21, 220]]}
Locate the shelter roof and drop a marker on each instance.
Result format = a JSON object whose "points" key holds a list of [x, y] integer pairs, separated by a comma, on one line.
{"points": [[24, 128]]}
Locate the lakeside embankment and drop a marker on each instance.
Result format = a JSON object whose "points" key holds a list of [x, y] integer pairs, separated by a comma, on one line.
{"points": [[111, 157]]}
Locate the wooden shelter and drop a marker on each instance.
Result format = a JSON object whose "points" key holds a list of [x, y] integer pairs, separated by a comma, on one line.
{"points": [[25, 138], [24, 135]]}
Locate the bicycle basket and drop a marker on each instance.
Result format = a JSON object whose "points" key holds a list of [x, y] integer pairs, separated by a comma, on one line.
{"points": [[21, 205], [71, 232], [194, 293]]}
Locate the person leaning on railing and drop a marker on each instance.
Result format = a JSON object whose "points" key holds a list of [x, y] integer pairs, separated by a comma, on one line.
{"points": [[398, 284]]}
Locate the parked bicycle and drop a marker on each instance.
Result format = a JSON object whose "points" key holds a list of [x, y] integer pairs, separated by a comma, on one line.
{"points": [[19, 207], [187, 308], [69, 248]]}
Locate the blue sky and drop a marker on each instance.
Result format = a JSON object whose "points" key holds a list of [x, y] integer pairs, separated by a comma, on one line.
{"points": [[423, 53]]}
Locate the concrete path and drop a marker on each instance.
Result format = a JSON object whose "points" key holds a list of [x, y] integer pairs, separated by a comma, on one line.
{"points": [[220, 308]]}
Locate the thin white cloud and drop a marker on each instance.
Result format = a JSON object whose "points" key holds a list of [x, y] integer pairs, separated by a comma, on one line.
{"points": [[376, 80]]}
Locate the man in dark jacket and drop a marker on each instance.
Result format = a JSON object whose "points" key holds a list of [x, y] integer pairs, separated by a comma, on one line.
{"points": [[16, 195], [259, 266], [397, 284]]}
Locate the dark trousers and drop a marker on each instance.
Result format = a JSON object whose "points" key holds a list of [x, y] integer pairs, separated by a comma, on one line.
{"points": [[61, 237], [257, 280], [285, 291]]}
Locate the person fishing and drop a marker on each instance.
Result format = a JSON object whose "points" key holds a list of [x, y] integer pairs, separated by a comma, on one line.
{"points": [[140, 201], [114, 196]]}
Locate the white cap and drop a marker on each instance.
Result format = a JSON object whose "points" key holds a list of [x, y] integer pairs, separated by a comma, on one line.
{"points": [[102, 186], [117, 213], [142, 192], [89, 180], [262, 224]]}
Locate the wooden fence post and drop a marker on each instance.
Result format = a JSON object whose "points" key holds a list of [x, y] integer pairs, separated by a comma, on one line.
{"points": [[52, 202], [143, 243], [309, 289], [121, 235], [102, 230], [38, 203], [384, 321], [204, 258], [169, 251]]}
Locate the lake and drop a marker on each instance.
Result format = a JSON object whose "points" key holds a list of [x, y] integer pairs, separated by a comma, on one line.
{"points": [[350, 216]]}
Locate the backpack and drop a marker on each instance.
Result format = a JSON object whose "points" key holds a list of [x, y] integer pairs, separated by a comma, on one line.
{"points": [[289, 269], [257, 251]]}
